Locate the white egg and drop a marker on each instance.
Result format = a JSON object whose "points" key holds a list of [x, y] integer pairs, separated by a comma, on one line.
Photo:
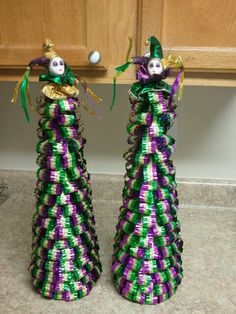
{"points": [[94, 57]]}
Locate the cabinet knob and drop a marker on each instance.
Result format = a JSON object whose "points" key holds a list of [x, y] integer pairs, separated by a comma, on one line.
{"points": [[94, 57]]}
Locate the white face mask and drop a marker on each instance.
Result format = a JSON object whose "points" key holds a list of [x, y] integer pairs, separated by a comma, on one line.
{"points": [[57, 66], [155, 66]]}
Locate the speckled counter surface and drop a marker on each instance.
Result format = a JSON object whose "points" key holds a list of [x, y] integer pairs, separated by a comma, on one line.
{"points": [[209, 260]]}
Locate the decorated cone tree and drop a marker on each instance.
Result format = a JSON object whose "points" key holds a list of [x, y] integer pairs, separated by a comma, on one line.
{"points": [[147, 251], [65, 260]]}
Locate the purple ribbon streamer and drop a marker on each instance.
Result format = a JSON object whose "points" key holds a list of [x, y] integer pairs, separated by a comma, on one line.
{"points": [[174, 88]]}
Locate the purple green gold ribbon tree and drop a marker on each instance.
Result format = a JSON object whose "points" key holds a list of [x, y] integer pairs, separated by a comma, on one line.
{"points": [[147, 251], [65, 257]]}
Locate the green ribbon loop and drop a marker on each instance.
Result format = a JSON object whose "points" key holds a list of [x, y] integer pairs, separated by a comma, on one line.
{"points": [[23, 89]]}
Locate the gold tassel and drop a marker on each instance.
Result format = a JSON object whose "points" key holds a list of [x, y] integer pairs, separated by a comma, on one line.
{"points": [[48, 50]]}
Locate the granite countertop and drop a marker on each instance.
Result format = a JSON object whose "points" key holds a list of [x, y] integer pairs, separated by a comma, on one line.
{"points": [[209, 257]]}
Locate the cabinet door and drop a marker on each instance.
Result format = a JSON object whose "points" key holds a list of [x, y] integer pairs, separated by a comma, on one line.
{"points": [[75, 26], [202, 32]]}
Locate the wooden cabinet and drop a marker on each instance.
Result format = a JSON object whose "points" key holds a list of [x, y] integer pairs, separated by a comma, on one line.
{"points": [[75, 26], [25, 23], [201, 31]]}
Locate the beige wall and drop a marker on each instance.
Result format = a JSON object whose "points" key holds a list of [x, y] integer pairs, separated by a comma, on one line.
{"points": [[205, 131]]}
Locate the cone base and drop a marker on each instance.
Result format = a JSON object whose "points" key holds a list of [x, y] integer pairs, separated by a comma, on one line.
{"points": [[146, 299], [67, 295]]}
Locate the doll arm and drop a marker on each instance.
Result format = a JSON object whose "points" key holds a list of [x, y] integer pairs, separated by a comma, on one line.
{"points": [[139, 60], [42, 61]]}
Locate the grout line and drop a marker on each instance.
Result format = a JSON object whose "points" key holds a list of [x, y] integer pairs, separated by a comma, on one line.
{"points": [[228, 184], [218, 208]]}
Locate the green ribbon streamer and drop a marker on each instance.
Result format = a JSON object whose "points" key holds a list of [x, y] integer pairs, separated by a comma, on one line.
{"points": [[23, 88], [114, 94], [119, 70], [122, 68]]}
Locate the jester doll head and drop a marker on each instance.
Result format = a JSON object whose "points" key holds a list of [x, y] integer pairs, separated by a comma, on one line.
{"points": [[55, 65], [153, 67], [58, 74]]}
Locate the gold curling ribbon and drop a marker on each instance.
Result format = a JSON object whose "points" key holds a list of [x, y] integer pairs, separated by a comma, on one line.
{"points": [[30, 101], [87, 108], [176, 63], [89, 91], [181, 86], [129, 48], [93, 95]]}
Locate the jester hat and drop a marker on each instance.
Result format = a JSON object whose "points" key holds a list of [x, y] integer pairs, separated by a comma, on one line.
{"points": [[155, 52]]}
